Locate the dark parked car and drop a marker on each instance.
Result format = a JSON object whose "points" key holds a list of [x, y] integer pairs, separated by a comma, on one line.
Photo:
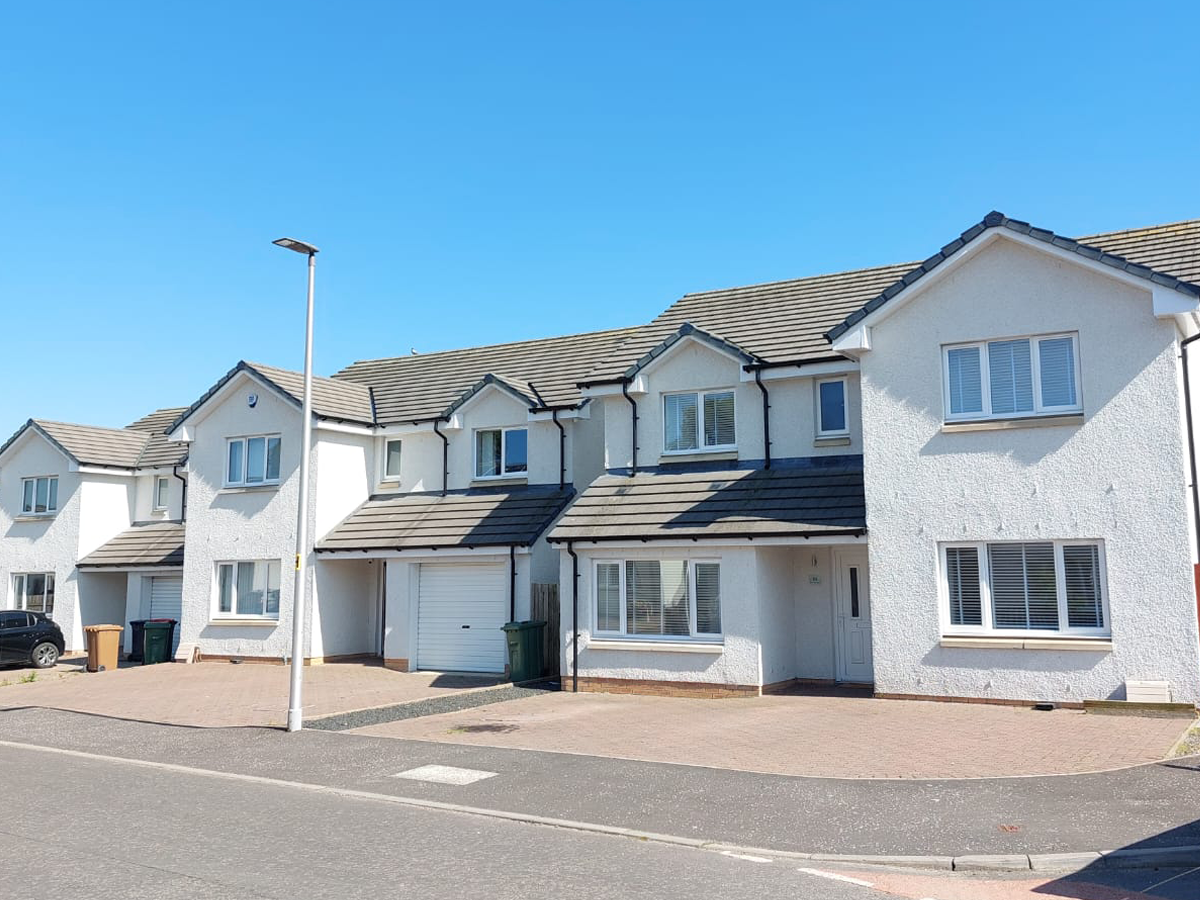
{"points": [[29, 638]]}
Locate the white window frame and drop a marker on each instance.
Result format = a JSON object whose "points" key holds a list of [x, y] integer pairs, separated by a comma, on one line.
{"points": [[822, 432], [20, 600], [701, 447], [50, 510], [985, 593], [244, 441], [383, 461], [159, 482], [623, 634], [233, 605], [504, 473], [1039, 409]]}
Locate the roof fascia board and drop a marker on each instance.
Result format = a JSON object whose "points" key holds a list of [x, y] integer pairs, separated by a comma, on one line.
{"points": [[85, 469], [1167, 301], [637, 385], [815, 370], [121, 567], [565, 414], [500, 551], [343, 428], [624, 544]]}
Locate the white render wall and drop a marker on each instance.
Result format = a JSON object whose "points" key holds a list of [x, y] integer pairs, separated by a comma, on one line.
{"points": [[144, 510], [241, 524], [42, 544], [693, 366], [1119, 477]]}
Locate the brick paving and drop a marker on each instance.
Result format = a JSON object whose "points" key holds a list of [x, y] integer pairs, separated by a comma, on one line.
{"points": [[221, 694], [828, 736]]}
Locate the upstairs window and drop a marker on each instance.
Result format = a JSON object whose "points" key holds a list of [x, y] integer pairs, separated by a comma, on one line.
{"points": [[1013, 378], [1037, 586], [34, 592], [391, 460], [659, 598], [162, 492], [252, 460], [501, 452], [248, 589], [697, 422], [39, 496], [831, 408]]}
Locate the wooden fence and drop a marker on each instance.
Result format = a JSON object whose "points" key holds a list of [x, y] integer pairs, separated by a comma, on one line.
{"points": [[544, 606]]}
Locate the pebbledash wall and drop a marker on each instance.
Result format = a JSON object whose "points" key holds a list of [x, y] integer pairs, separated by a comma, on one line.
{"points": [[1119, 477]]}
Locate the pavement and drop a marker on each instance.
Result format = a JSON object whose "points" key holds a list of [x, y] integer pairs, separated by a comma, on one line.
{"points": [[834, 736], [1143, 807], [200, 695]]}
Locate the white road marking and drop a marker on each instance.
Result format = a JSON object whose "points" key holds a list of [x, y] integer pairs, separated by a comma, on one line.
{"points": [[1172, 878], [445, 774], [745, 856], [834, 876]]}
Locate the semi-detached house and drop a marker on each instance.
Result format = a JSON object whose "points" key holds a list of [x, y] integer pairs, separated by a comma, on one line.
{"points": [[970, 477]]}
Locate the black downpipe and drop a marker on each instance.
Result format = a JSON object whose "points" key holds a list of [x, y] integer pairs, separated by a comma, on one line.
{"points": [[633, 404], [512, 584], [183, 498], [445, 456], [562, 450], [1191, 438], [766, 417], [574, 618]]}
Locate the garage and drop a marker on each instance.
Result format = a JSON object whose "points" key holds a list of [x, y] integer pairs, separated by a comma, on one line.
{"points": [[166, 600], [460, 611]]}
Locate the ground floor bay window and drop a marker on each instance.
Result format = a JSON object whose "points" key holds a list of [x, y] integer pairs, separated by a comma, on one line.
{"points": [[1033, 587], [658, 598]]}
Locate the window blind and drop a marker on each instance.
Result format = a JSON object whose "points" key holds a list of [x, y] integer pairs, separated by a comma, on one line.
{"points": [[708, 598], [1010, 374], [1081, 565], [1024, 586], [1056, 360], [962, 577], [608, 597], [718, 419], [681, 418], [966, 381]]}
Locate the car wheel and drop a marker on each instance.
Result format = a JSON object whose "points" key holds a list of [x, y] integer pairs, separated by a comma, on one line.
{"points": [[44, 656]]}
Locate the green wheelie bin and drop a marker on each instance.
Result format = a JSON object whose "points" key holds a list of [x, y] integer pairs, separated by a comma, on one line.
{"points": [[526, 661]]}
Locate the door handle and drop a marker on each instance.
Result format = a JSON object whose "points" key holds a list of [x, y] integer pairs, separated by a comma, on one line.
{"points": [[466, 626]]}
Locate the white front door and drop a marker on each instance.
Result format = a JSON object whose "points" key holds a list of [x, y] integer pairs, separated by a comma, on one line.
{"points": [[852, 603], [460, 610]]}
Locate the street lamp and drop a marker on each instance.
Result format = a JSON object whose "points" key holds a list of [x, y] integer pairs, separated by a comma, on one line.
{"points": [[295, 716]]}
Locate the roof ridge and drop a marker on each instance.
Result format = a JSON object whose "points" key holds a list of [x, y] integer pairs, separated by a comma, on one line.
{"points": [[557, 337]]}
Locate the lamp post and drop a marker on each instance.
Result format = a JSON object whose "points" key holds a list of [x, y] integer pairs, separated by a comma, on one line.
{"points": [[295, 716]]}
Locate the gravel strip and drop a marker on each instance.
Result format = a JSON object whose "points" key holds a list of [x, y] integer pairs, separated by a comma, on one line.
{"points": [[431, 707]]}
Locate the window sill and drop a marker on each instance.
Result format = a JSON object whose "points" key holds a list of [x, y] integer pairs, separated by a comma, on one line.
{"points": [[1009, 424], [265, 623], [657, 646], [983, 642], [690, 456], [832, 441], [500, 481], [35, 517], [249, 488]]}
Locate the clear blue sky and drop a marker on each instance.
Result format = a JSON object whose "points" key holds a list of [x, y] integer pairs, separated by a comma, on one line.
{"points": [[486, 172]]}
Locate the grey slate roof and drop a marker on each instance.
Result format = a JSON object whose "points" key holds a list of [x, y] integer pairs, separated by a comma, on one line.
{"points": [[1137, 246], [431, 385], [92, 445], [143, 544], [432, 521], [159, 452], [778, 502], [787, 321], [337, 400]]}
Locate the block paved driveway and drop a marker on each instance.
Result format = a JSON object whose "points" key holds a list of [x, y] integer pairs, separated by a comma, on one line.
{"points": [[220, 694], [828, 736]]}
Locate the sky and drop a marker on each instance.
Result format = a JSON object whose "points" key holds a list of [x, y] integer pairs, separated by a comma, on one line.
{"points": [[484, 172]]}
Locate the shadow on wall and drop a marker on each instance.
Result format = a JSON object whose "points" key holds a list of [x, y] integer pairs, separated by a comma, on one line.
{"points": [[246, 504]]}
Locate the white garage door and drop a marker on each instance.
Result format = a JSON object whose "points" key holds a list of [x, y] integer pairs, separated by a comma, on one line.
{"points": [[459, 614], [166, 601]]}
